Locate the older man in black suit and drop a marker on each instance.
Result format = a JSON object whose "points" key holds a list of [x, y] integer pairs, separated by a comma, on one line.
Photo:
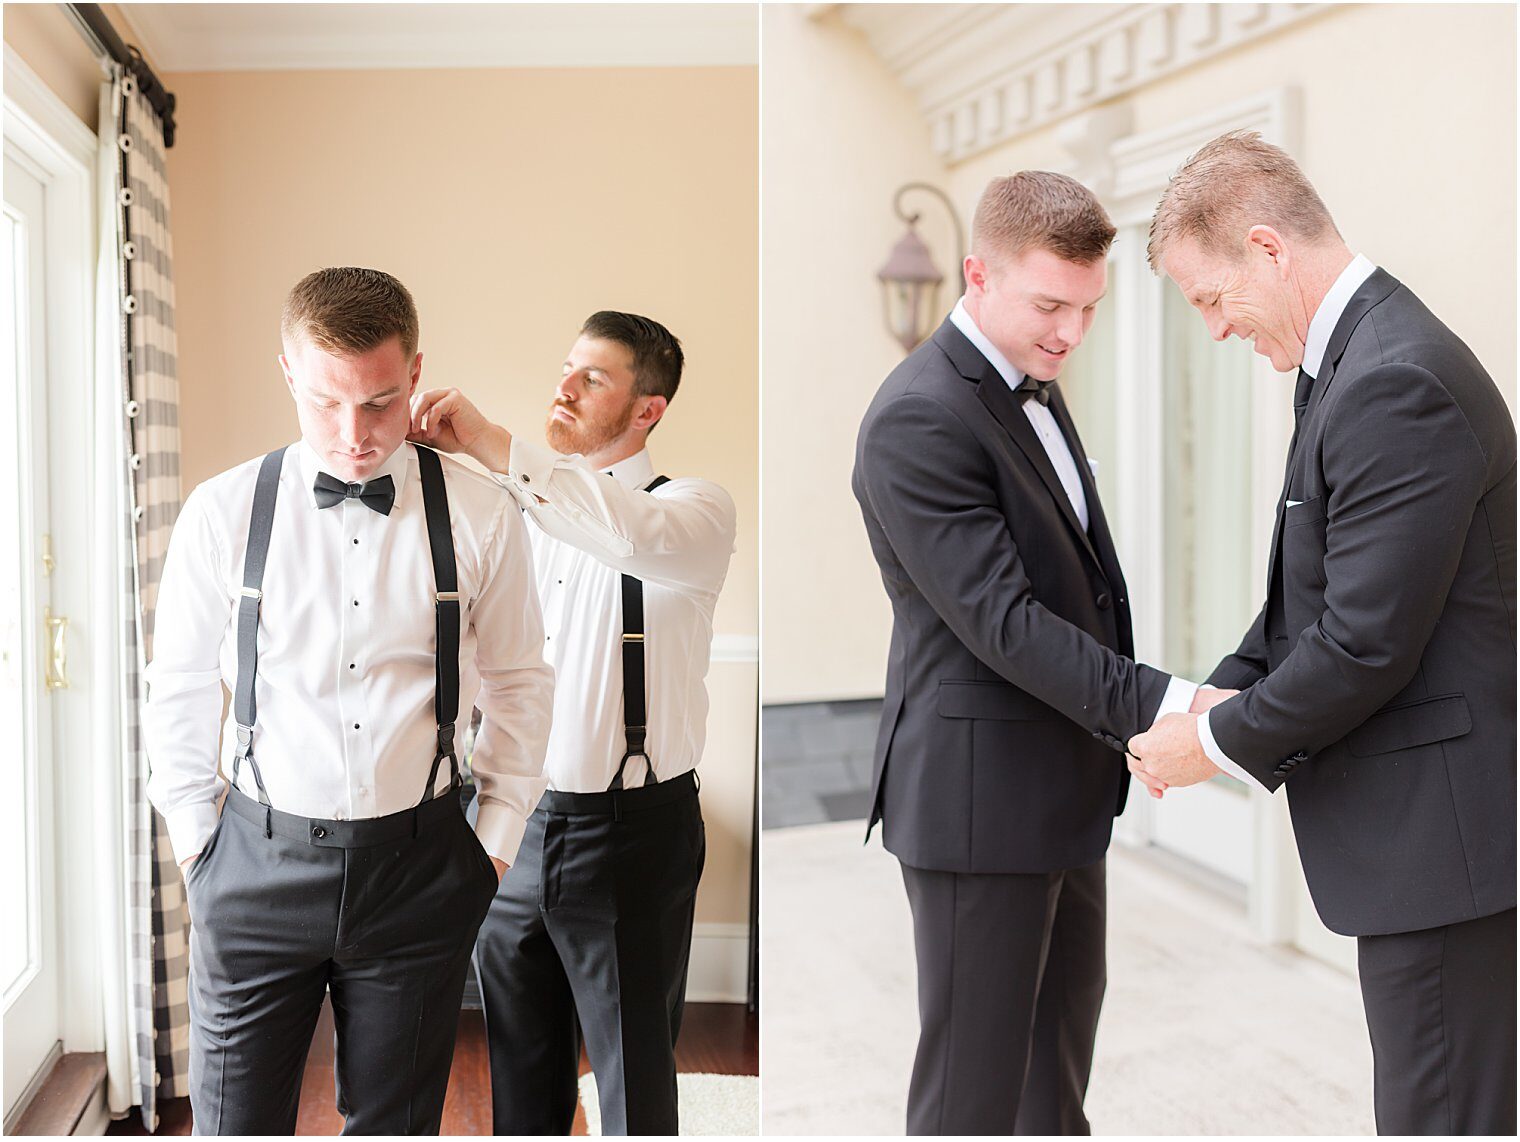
{"points": [[1010, 683], [1379, 679]]}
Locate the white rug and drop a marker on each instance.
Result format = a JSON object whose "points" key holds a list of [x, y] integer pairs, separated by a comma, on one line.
{"points": [[711, 1105]]}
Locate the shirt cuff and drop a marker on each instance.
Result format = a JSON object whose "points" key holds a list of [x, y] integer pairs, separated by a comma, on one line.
{"points": [[529, 467], [1218, 756], [1178, 698], [500, 830], [190, 827]]}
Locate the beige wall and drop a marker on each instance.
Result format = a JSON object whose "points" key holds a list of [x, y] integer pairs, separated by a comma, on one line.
{"points": [[840, 137], [512, 203], [1412, 147], [45, 37]]}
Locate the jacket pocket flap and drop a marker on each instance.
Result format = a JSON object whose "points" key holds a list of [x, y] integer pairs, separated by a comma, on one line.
{"points": [[1307, 511], [1419, 723], [997, 701]]}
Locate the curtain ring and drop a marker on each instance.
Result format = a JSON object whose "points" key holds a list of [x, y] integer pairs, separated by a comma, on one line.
{"points": [[135, 461], [124, 196], [137, 514], [129, 85], [124, 141], [129, 250], [129, 304], [133, 408]]}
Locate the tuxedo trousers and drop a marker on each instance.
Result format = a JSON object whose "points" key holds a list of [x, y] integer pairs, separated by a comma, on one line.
{"points": [[1011, 975], [1440, 1009], [588, 939], [379, 912]]}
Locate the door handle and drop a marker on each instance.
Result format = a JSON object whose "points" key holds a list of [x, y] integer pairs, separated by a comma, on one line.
{"points": [[57, 649]]}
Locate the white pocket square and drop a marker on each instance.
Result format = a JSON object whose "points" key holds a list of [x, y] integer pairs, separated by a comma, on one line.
{"points": [[1294, 503]]}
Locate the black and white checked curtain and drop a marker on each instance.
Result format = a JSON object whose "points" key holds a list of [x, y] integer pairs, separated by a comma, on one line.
{"points": [[158, 921]]}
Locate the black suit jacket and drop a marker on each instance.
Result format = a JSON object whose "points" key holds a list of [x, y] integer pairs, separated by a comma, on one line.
{"points": [[1009, 683], [1381, 670]]}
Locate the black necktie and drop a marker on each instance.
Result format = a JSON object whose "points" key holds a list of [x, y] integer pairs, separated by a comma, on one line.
{"points": [[377, 495], [1301, 393], [1032, 389]]}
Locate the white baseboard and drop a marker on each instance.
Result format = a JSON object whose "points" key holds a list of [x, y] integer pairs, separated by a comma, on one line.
{"points": [[719, 970]]}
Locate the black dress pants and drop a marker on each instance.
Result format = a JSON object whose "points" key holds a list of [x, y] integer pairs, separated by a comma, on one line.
{"points": [[1011, 975], [590, 934], [381, 912], [1441, 1012]]}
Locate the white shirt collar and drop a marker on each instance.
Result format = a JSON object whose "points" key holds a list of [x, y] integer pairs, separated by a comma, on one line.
{"points": [[395, 467], [633, 471], [1328, 315], [1012, 377]]}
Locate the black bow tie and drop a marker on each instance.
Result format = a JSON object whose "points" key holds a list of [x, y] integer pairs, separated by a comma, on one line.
{"points": [[1032, 389], [377, 495]]}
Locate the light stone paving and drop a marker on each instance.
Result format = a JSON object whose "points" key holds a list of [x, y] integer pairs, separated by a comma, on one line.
{"points": [[1204, 1030]]}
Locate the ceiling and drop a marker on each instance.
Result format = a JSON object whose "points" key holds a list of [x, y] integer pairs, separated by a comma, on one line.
{"points": [[283, 37]]}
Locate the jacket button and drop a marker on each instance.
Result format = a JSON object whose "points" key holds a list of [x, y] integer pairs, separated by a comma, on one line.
{"points": [[1103, 601]]}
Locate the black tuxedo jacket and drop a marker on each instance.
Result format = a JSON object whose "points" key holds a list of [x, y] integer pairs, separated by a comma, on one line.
{"points": [[1009, 683], [1381, 670]]}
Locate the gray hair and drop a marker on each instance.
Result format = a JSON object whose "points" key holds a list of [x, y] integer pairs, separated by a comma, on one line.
{"points": [[1230, 184]]}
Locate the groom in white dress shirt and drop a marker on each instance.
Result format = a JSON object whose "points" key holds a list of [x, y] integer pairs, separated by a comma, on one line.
{"points": [[355, 593]]}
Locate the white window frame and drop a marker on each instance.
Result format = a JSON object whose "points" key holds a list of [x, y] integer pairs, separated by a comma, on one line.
{"points": [[87, 499]]}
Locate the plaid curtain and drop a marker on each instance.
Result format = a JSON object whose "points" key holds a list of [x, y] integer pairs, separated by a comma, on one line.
{"points": [[158, 936]]}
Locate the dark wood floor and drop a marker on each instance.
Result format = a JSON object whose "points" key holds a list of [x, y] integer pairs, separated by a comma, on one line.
{"points": [[716, 1038]]}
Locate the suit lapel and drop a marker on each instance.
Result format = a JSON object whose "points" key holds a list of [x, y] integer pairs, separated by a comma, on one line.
{"points": [[1102, 540], [993, 392], [1369, 294]]}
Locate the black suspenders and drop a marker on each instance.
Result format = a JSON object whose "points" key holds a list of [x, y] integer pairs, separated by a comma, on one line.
{"points": [[435, 501], [635, 731]]}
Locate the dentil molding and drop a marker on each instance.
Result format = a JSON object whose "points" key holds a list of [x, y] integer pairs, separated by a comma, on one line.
{"points": [[987, 73]]}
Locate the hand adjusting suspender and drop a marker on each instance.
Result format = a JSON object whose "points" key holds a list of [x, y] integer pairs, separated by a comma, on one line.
{"points": [[435, 502], [635, 706]]}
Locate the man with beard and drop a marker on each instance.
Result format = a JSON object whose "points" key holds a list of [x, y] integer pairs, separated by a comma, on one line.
{"points": [[591, 934]]}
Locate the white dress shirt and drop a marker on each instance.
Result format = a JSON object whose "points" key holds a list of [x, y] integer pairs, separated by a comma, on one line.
{"points": [[591, 527], [1179, 692], [345, 725], [1316, 341]]}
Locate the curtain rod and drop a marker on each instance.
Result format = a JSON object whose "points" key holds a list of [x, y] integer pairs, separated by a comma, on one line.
{"points": [[96, 27]]}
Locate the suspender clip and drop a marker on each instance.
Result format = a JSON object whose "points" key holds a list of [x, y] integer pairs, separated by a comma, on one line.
{"points": [[446, 739], [253, 593], [447, 596], [245, 741], [633, 637]]}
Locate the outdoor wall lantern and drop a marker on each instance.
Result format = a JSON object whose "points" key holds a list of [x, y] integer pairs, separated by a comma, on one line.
{"points": [[910, 280]]}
